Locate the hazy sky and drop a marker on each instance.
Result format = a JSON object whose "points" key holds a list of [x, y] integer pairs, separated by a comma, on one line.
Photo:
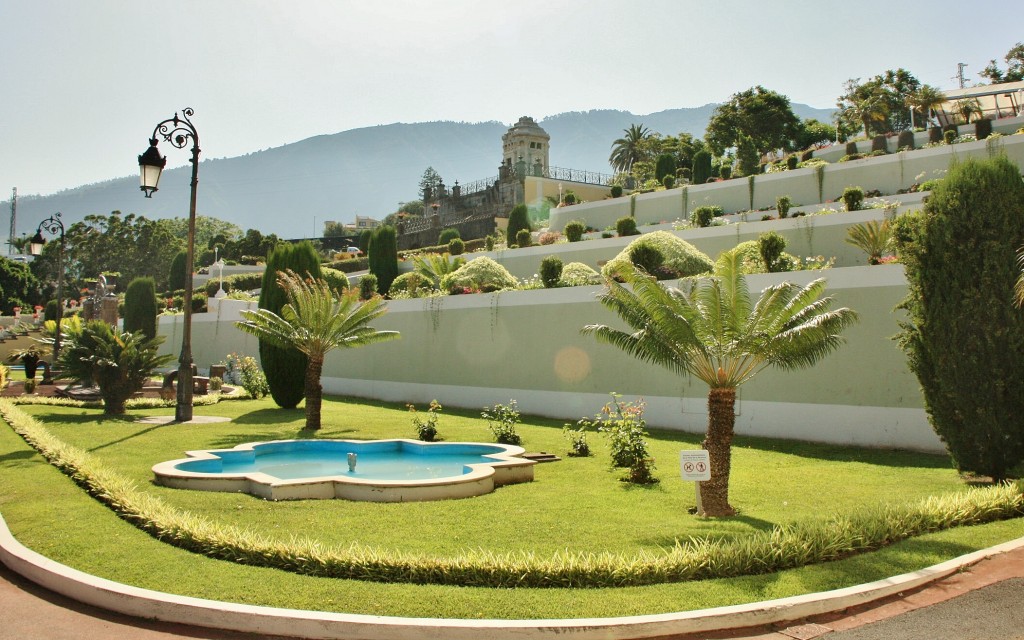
{"points": [[85, 81]]}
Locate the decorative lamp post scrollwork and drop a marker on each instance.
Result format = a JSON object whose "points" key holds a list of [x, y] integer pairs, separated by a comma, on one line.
{"points": [[53, 226], [178, 131]]}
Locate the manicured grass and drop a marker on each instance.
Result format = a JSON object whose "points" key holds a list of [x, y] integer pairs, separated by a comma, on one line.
{"points": [[73, 528]]}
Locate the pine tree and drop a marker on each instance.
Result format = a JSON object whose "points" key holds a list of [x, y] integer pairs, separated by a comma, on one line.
{"points": [[285, 368]]}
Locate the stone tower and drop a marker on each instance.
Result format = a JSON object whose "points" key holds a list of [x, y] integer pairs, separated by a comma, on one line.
{"points": [[525, 148]]}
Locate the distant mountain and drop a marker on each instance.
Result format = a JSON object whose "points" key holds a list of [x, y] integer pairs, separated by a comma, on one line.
{"points": [[291, 190]]}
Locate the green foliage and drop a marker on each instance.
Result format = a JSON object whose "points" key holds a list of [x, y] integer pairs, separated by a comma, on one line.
{"points": [[668, 181], [456, 246], [879, 143], [702, 216], [447, 235], [118, 363], [853, 198], [782, 205], [433, 267], [426, 428], [747, 156], [770, 246], [383, 254], [616, 191], [285, 367], [628, 150], [1014, 70], [879, 104], [364, 240], [245, 371], [872, 237], [701, 167], [479, 274], [574, 231], [681, 258], [577, 274], [665, 165], [949, 135], [765, 117], [336, 280], [963, 339], [626, 227], [791, 162], [178, 274], [410, 284], [551, 271], [524, 238], [569, 198], [140, 307], [982, 128], [18, 285], [518, 219], [368, 286], [577, 437], [502, 420], [624, 425], [235, 282], [905, 140], [646, 257], [489, 243]]}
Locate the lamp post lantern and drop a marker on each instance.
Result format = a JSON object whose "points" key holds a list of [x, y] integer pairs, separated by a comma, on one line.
{"points": [[177, 131], [52, 225]]}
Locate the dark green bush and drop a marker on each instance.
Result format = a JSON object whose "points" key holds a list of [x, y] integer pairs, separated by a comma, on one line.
{"points": [[949, 135], [702, 216], [456, 246], [879, 143], [725, 171], [551, 271], [383, 255], [523, 238], [626, 227], [447, 235], [905, 140], [574, 231], [851, 149], [782, 205], [935, 135], [616, 191], [285, 368], [367, 286], [364, 240], [50, 311], [701, 167], [177, 276], [770, 246], [791, 162], [853, 198], [570, 198], [489, 243], [668, 182], [664, 165], [964, 340], [982, 128], [806, 155], [518, 219], [140, 307], [646, 256]]}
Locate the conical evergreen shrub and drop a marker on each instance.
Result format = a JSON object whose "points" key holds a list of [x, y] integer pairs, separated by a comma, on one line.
{"points": [[383, 257], [285, 368], [140, 307]]}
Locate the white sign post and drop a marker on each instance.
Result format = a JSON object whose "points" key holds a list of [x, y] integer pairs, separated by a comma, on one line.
{"points": [[695, 466]]}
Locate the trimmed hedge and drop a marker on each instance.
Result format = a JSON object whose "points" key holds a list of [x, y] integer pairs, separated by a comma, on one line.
{"points": [[680, 256]]}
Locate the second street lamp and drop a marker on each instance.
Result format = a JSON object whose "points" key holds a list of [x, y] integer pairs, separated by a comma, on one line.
{"points": [[52, 225], [178, 132]]}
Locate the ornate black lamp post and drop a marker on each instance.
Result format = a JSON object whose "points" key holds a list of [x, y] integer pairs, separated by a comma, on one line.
{"points": [[177, 131], [52, 225]]}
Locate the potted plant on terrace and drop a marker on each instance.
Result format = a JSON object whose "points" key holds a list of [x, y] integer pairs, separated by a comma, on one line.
{"points": [[29, 358]]}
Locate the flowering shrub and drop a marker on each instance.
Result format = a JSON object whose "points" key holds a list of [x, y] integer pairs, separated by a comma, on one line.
{"points": [[479, 274], [426, 429], [680, 256], [502, 420], [577, 274], [624, 424], [245, 371], [549, 237]]}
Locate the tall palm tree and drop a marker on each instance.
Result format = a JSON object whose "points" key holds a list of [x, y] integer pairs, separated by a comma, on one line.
{"points": [[714, 333], [316, 321], [968, 108], [626, 151], [925, 99]]}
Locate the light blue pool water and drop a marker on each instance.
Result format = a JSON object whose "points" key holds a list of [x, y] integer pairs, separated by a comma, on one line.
{"points": [[381, 460]]}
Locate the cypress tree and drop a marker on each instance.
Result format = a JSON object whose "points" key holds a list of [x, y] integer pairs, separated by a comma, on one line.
{"points": [[964, 338], [177, 276], [383, 257], [701, 167], [518, 218], [140, 307], [665, 165], [285, 368]]}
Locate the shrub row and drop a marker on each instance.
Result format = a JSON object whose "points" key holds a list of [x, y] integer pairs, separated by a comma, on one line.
{"points": [[782, 547]]}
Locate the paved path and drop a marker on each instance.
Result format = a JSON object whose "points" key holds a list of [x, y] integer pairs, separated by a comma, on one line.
{"points": [[983, 602]]}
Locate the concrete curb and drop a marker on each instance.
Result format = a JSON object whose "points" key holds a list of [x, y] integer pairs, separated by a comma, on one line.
{"points": [[144, 603]]}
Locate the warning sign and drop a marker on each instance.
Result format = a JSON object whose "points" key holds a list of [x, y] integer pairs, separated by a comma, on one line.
{"points": [[695, 465]]}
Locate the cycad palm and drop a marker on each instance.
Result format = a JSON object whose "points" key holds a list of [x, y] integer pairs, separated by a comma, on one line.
{"points": [[626, 151], [873, 237], [315, 322], [433, 267], [716, 334]]}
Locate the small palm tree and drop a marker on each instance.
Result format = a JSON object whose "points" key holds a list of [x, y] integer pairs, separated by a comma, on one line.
{"points": [[627, 151], [968, 108], [714, 333], [873, 237], [925, 100], [316, 321], [433, 267]]}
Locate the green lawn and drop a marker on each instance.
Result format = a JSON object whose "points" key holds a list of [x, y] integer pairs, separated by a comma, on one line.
{"points": [[575, 504]]}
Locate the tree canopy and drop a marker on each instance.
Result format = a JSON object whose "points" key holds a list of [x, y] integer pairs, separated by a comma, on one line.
{"points": [[1014, 67], [764, 116], [879, 105]]}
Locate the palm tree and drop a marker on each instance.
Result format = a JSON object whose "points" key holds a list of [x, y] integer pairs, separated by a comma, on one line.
{"points": [[714, 333], [968, 108], [315, 321], [627, 151], [869, 109], [433, 267], [925, 100], [873, 237]]}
